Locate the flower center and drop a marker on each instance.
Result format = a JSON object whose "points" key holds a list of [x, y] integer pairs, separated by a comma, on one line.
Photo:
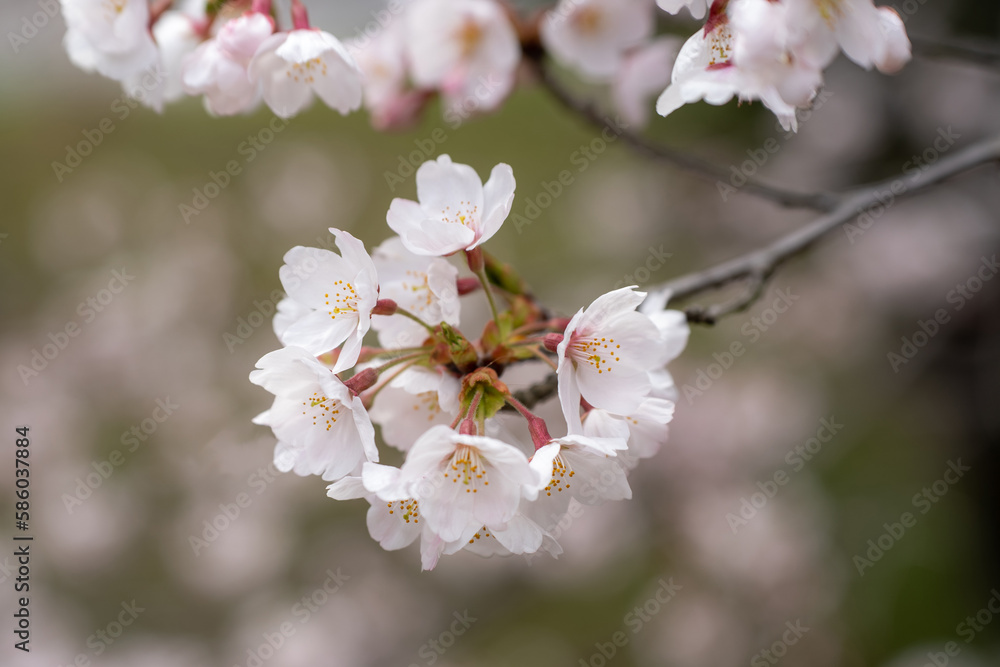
{"points": [[114, 7], [419, 284], [588, 20], [322, 408], [305, 72], [465, 214], [720, 45], [469, 36], [465, 467], [409, 509], [561, 472], [428, 401], [480, 534], [829, 9], [345, 299], [600, 353]]}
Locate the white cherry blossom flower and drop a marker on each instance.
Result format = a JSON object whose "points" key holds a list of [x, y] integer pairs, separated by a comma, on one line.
{"points": [[582, 467], [340, 291], [464, 482], [394, 525], [388, 96], [109, 36], [424, 286], [605, 354], [218, 68], [415, 400], [455, 210], [593, 35], [292, 66], [467, 49], [870, 36], [647, 428], [674, 333], [322, 429], [176, 37], [755, 63]]}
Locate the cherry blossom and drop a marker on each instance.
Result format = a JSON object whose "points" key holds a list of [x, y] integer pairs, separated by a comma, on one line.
{"points": [[467, 49], [388, 96], [455, 211], [218, 68], [722, 62], [424, 286], [340, 290], [413, 401], [674, 333], [464, 482], [581, 467], [111, 37], [177, 36], [604, 356], [646, 428], [322, 429], [293, 66], [593, 35]]}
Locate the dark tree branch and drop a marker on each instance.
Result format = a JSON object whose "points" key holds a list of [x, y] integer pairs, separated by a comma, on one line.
{"points": [[818, 201], [758, 265], [987, 55]]}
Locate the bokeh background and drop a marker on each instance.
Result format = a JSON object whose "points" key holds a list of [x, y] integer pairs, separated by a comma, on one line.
{"points": [[164, 338]]}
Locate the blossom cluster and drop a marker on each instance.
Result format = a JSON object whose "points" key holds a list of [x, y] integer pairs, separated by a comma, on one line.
{"points": [[480, 471], [470, 53]]}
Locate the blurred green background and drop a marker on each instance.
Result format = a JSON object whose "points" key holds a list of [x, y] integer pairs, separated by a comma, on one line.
{"points": [[168, 337]]}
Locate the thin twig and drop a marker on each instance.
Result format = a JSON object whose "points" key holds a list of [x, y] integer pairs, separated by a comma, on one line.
{"points": [[987, 55], [764, 261], [818, 201], [758, 265]]}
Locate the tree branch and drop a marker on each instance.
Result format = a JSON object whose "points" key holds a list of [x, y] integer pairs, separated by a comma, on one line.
{"points": [[818, 201], [987, 55], [758, 265]]}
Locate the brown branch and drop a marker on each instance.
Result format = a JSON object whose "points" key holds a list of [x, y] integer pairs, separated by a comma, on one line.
{"points": [[758, 265], [818, 201], [761, 263]]}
